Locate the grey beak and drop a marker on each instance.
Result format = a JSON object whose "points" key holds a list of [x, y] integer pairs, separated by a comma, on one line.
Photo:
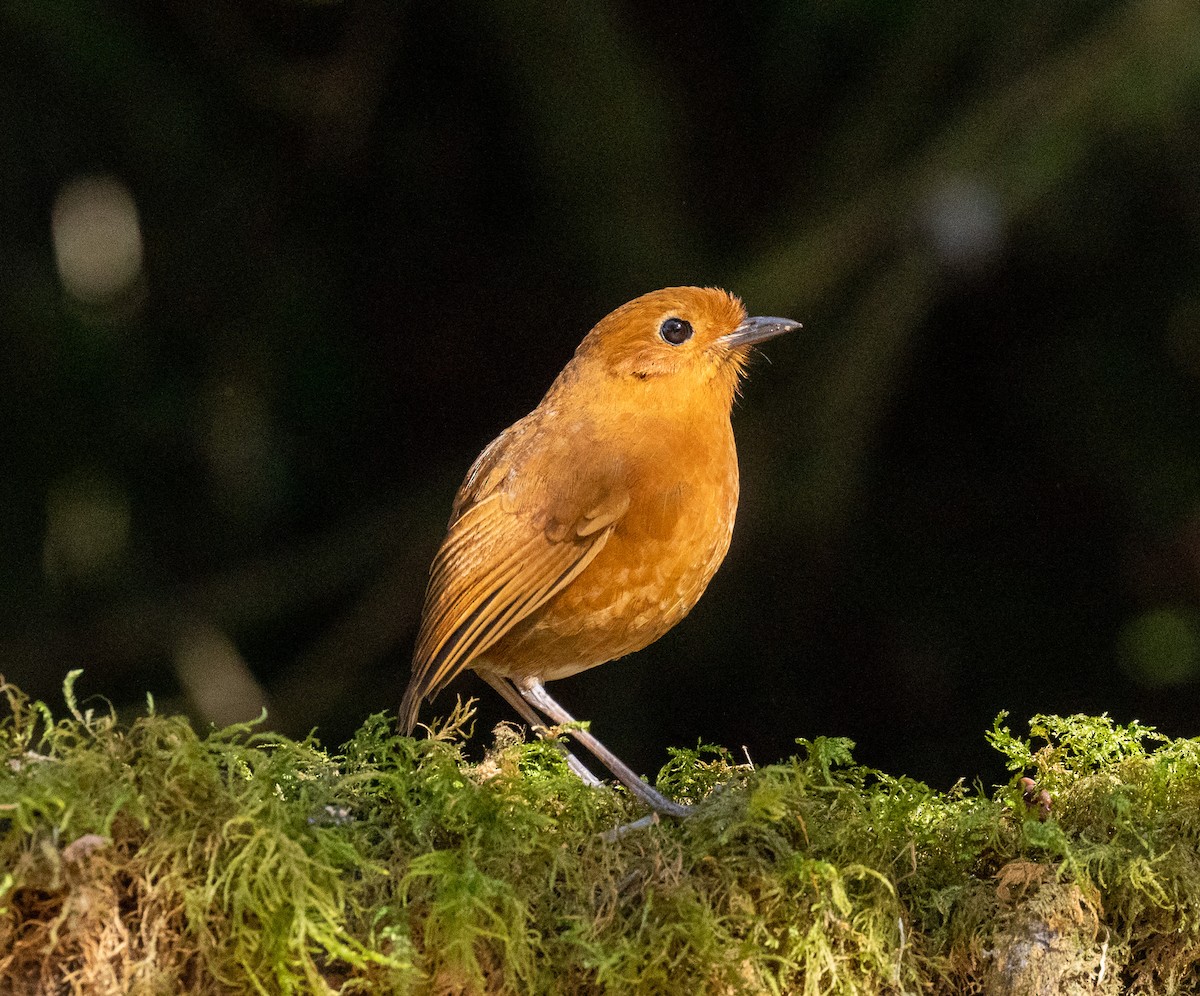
{"points": [[754, 330]]}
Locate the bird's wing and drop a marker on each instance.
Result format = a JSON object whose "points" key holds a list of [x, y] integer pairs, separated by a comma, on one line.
{"points": [[510, 548]]}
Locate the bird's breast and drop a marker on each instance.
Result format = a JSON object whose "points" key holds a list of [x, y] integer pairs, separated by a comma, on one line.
{"points": [[655, 565]]}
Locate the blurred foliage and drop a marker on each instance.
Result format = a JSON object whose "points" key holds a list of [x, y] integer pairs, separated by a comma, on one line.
{"points": [[144, 858], [275, 271]]}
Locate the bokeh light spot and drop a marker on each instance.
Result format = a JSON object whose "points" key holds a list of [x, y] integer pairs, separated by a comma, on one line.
{"points": [[1161, 648], [216, 676], [97, 239], [964, 222], [87, 527]]}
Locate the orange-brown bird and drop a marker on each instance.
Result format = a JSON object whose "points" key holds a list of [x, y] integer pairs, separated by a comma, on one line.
{"points": [[592, 526]]}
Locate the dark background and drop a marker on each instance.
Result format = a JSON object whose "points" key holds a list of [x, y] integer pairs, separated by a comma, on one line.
{"points": [[273, 274]]}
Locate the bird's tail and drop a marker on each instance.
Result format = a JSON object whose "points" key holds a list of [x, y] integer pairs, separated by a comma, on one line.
{"points": [[410, 705]]}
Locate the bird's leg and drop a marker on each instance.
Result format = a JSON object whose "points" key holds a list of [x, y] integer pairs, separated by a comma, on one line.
{"points": [[507, 692], [534, 692]]}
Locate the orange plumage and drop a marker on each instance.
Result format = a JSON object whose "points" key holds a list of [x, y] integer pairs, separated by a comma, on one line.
{"points": [[592, 526]]}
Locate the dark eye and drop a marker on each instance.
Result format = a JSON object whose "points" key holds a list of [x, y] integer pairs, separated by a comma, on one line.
{"points": [[675, 331]]}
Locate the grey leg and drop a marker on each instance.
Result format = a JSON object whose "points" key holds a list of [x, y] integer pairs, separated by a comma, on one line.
{"points": [[536, 695], [506, 690]]}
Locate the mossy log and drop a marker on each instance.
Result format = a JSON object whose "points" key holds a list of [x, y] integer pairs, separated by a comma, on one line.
{"points": [[146, 858]]}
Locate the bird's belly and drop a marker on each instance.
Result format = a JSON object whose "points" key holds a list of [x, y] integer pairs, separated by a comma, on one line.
{"points": [[646, 579]]}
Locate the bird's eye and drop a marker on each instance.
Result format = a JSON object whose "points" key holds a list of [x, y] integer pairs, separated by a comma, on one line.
{"points": [[675, 331]]}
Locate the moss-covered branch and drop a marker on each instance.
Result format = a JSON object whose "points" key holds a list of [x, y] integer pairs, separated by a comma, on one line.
{"points": [[150, 859]]}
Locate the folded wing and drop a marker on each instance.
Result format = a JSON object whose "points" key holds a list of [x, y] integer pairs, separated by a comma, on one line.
{"points": [[499, 563]]}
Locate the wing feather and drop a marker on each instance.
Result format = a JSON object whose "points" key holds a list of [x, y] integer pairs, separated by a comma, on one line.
{"points": [[493, 570], [462, 621], [528, 518]]}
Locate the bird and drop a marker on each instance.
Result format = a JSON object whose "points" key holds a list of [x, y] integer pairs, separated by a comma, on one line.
{"points": [[592, 526]]}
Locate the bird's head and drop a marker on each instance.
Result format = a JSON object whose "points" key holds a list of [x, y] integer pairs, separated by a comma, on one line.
{"points": [[685, 336]]}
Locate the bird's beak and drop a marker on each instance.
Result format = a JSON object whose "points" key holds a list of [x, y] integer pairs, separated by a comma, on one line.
{"points": [[754, 330]]}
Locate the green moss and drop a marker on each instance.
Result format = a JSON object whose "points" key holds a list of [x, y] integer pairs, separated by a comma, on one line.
{"points": [[152, 859]]}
